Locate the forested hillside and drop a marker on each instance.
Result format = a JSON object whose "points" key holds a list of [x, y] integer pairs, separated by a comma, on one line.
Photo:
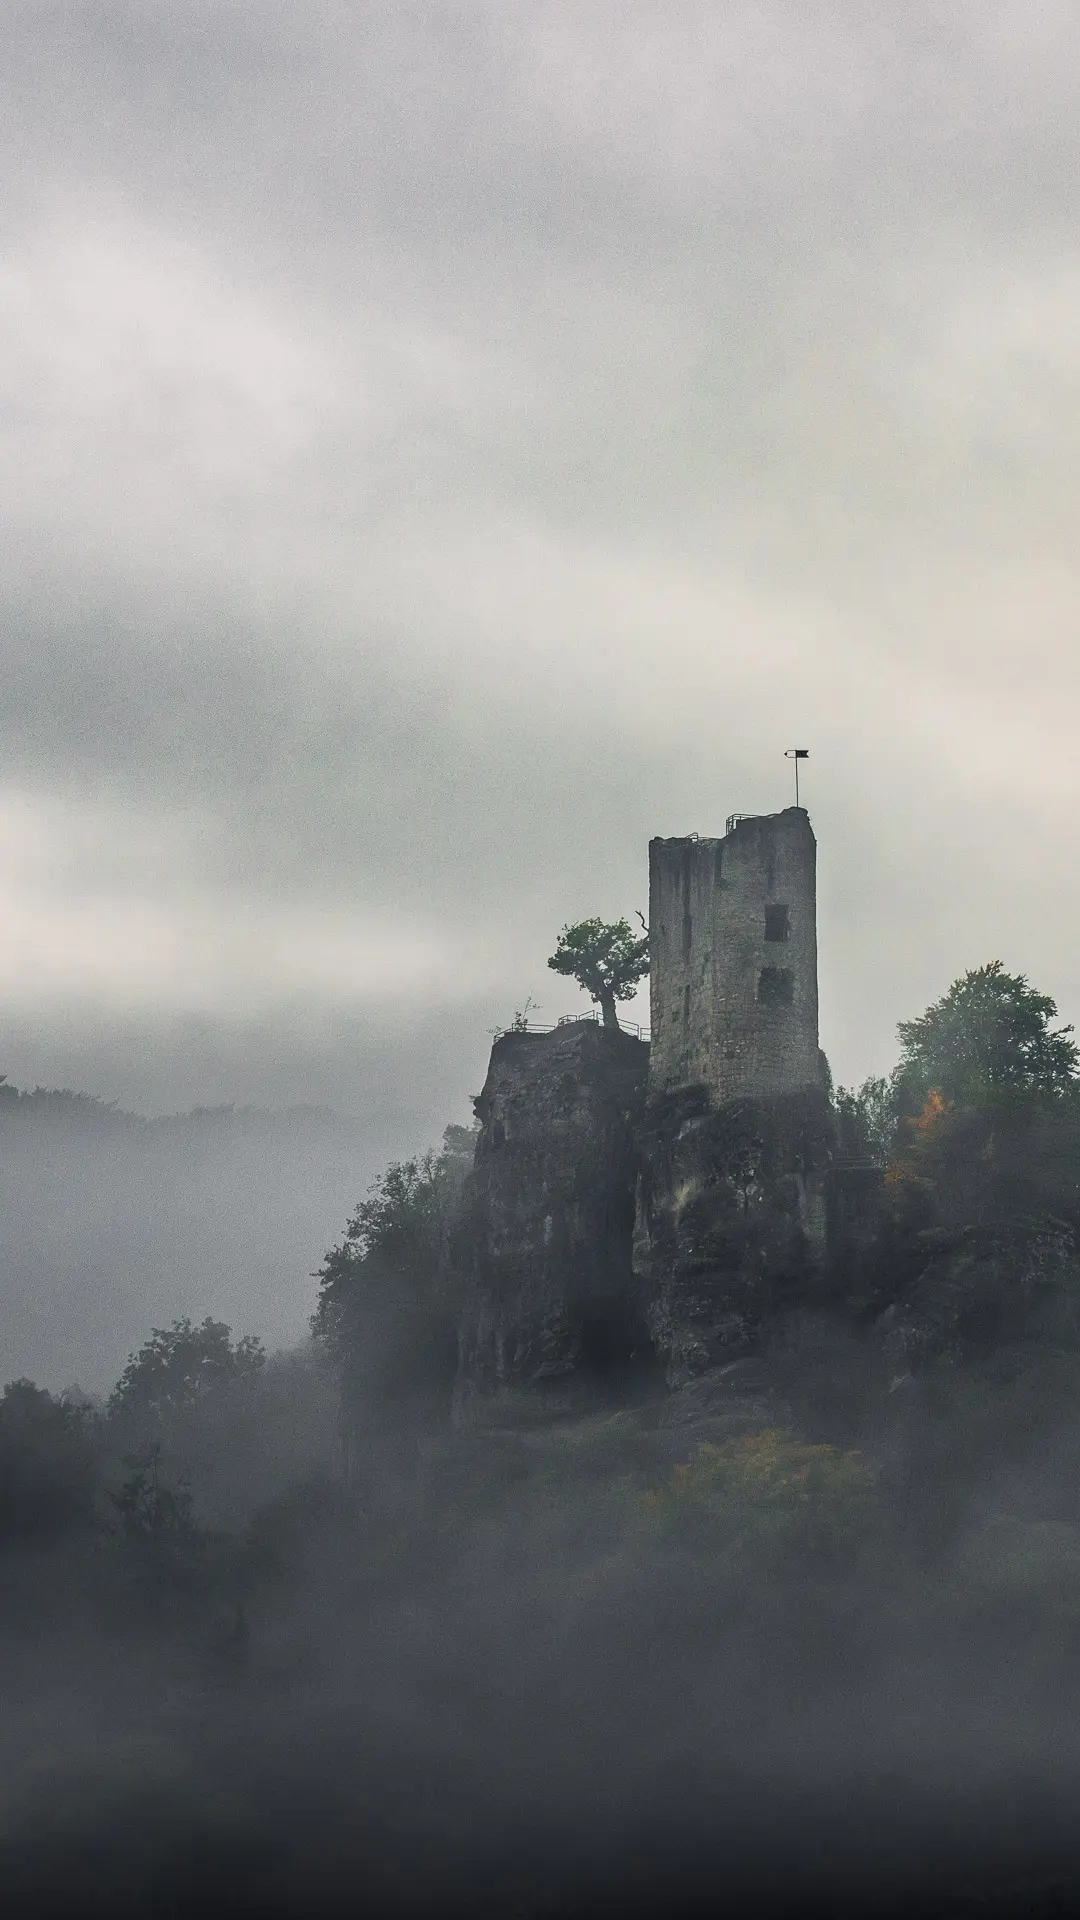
{"points": [[805, 1628]]}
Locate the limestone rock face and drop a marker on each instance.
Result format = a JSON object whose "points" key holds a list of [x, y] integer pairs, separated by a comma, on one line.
{"points": [[543, 1249], [731, 1219]]}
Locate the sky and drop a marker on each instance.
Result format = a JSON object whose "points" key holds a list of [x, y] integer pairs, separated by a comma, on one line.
{"points": [[443, 446]]}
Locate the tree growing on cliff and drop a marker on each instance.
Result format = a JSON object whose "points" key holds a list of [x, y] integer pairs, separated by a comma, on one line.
{"points": [[385, 1315], [605, 958]]}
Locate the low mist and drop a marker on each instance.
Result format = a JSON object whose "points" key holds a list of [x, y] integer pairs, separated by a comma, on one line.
{"points": [[280, 1634], [111, 1223]]}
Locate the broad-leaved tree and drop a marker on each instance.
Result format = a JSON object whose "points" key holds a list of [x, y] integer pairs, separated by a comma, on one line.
{"points": [[606, 958]]}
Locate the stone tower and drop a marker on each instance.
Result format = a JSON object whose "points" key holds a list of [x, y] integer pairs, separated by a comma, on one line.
{"points": [[737, 1139], [733, 937]]}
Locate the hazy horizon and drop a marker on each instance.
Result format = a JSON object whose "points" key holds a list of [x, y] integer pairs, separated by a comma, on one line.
{"points": [[440, 451]]}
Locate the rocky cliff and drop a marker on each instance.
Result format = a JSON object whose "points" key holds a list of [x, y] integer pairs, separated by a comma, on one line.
{"points": [[543, 1248], [731, 1222]]}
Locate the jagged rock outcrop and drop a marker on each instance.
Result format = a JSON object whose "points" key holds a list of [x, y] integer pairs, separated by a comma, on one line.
{"points": [[731, 1221], [542, 1250]]}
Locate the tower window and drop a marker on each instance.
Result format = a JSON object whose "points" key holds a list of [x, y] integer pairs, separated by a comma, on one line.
{"points": [[776, 987], [777, 923]]}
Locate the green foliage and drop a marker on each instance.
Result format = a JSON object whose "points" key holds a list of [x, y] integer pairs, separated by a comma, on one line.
{"points": [[178, 1366], [768, 1493], [48, 1471], [989, 1037], [978, 1251], [1006, 1160], [1004, 1294], [383, 1313], [166, 1550], [605, 958], [458, 1149], [149, 1509], [866, 1119], [394, 1235]]}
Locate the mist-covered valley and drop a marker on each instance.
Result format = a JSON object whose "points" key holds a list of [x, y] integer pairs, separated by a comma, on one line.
{"points": [[282, 1632], [111, 1223]]}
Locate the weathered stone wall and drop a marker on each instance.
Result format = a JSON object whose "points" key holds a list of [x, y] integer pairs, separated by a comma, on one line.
{"points": [[543, 1252], [738, 1136], [733, 936], [731, 1219]]}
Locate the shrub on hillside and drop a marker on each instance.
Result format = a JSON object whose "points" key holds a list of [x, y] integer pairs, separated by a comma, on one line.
{"points": [[768, 1494]]}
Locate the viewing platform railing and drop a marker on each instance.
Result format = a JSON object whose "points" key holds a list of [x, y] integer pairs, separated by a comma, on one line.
{"points": [[567, 1020]]}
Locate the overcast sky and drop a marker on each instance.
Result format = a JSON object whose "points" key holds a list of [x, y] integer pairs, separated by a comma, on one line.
{"points": [[442, 446]]}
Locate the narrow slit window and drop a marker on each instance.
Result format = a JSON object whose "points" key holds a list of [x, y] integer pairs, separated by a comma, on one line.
{"points": [[777, 923], [776, 987]]}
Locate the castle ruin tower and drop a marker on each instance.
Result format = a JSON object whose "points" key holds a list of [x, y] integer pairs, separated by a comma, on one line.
{"points": [[733, 937], [738, 1134]]}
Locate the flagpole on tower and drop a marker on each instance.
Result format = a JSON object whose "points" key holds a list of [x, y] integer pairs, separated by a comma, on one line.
{"points": [[797, 754]]}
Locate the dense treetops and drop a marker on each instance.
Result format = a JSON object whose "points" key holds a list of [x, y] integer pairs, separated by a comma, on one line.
{"points": [[47, 1474], [989, 1043], [990, 1034], [180, 1364], [383, 1313]]}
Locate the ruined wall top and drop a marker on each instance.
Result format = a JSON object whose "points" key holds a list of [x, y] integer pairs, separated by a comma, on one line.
{"points": [[733, 946]]}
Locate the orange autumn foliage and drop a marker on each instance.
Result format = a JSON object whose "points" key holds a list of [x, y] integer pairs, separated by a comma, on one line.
{"points": [[905, 1171]]}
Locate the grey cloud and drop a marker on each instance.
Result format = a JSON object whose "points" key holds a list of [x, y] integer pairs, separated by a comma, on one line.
{"points": [[442, 447]]}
